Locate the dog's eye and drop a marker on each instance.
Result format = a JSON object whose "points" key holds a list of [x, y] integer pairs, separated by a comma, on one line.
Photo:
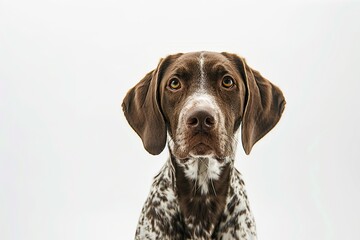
{"points": [[228, 82], [174, 84]]}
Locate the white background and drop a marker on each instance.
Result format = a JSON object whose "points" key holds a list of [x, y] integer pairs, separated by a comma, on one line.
{"points": [[72, 168]]}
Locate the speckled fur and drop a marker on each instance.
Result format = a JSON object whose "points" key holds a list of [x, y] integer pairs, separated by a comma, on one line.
{"points": [[161, 217]]}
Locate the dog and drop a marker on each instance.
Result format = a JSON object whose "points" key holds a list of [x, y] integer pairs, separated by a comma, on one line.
{"points": [[198, 101]]}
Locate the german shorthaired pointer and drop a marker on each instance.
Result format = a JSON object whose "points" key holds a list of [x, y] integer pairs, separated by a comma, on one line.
{"points": [[198, 101]]}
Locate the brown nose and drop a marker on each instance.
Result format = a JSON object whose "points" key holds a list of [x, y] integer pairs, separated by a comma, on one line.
{"points": [[201, 120]]}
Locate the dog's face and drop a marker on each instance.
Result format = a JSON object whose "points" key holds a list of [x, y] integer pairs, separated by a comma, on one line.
{"points": [[199, 100], [202, 99]]}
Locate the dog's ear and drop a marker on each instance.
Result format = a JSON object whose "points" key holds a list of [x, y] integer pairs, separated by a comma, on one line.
{"points": [[141, 107], [264, 106]]}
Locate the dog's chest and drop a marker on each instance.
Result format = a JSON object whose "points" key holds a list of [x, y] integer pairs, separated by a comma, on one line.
{"points": [[201, 186], [174, 211]]}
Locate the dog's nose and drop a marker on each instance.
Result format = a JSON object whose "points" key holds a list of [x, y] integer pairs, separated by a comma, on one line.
{"points": [[201, 120]]}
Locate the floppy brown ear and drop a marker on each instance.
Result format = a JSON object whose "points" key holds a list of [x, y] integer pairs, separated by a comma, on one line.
{"points": [[265, 104], [142, 111], [264, 107]]}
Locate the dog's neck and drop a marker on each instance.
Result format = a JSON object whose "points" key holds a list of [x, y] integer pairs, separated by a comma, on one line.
{"points": [[202, 185]]}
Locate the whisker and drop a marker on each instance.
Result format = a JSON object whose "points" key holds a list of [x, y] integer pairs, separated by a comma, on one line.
{"points": [[207, 177], [194, 187], [213, 187]]}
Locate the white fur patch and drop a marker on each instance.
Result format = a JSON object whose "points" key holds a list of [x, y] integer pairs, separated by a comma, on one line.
{"points": [[203, 170], [202, 72]]}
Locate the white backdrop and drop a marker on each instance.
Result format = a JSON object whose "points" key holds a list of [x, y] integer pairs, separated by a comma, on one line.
{"points": [[72, 168]]}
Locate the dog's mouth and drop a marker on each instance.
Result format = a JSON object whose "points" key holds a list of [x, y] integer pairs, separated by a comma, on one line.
{"points": [[198, 145]]}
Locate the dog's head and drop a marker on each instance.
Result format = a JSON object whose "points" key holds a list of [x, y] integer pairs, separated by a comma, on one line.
{"points": [[200, 99]]}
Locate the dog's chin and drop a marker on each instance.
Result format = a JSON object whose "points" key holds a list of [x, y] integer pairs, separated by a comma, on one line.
{"points": [[201, 150]]}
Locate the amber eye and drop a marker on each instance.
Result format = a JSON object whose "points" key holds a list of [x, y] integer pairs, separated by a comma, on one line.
{"points": [[227, 82], [174, 84]]}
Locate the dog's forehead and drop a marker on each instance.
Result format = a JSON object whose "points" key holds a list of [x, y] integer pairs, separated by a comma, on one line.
{"points": [[196, 62]]}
